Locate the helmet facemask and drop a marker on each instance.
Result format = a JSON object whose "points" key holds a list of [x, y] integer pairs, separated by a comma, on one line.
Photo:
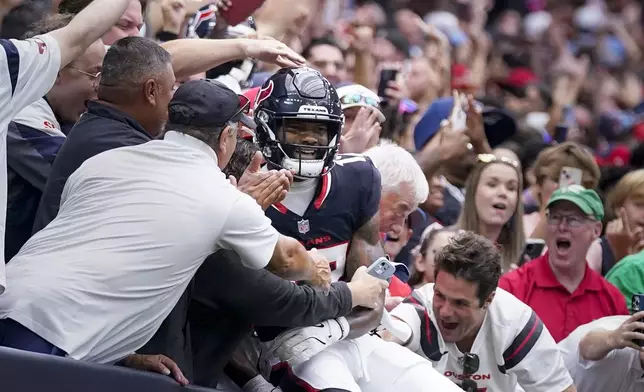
{"points": [[304, 146]]}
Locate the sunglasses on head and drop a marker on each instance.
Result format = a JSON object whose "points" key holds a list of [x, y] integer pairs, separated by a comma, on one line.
{"points": [[470, 366], [489, 158], [352, 99]]}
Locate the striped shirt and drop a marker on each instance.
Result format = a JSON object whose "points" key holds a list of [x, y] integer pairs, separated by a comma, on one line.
{"points": [[513, 346]]}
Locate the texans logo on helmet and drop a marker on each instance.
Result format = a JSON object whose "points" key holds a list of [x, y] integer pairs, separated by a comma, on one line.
{"points": [[264, 93]]}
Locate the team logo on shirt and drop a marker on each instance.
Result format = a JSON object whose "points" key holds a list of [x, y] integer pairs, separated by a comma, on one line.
{"points": [[303, 226], [41, 46]]}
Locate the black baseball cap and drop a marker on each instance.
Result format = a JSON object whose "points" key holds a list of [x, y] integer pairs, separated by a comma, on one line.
{"points": [[208, 104]]}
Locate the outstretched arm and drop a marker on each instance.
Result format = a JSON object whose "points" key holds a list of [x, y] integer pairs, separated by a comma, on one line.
{"points": [[366, 246], [192, 56], [88, 26]]}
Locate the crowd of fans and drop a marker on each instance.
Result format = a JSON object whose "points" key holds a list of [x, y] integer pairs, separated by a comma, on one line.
{"points": [[206, 189]]}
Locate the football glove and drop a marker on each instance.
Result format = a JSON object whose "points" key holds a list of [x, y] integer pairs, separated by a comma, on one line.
{"points": [[296, 346]]}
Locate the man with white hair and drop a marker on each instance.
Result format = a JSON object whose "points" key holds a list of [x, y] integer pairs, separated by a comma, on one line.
{"points": [[404, 185]]}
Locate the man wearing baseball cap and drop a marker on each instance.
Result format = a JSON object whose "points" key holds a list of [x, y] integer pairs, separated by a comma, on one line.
{"points": [[362, 118], [559, 286]]}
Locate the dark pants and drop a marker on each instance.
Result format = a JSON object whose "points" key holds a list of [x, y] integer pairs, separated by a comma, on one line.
{"points": [[15, 335]]}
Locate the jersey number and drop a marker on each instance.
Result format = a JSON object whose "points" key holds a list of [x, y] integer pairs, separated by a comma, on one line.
{"points": [[337, 256], [349, 158]]}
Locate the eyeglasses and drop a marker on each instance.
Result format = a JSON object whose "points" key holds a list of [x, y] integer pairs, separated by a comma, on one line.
{"points": [[91, 75], [352, 99], [244, 107], [489, 158], [470, 364], [573, 221]]}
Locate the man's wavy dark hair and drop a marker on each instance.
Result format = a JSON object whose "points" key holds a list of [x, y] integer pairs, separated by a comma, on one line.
{"points": [[473, 258]]}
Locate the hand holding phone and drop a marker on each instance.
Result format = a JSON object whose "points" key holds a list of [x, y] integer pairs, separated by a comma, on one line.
{"points": [[570, 176], [386, 75], [382, 269], [637, 305]]}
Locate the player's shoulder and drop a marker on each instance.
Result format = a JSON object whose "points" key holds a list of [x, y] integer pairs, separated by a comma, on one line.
{"points": [[353, 163], [355, 169]]}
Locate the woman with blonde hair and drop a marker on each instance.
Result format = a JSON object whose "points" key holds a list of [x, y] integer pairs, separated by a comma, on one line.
{"points": [[492, 206]]}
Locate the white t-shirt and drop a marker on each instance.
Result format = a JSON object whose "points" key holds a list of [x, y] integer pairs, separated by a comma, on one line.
{"points": [[513, 345], [28, 69], [134, 226], [619, 371]]}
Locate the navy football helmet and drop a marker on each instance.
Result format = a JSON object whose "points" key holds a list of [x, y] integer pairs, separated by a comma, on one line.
{"points": [[292, 101]]}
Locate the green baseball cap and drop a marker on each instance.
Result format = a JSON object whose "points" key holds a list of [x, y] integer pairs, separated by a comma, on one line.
{"points": [[586, 199]]}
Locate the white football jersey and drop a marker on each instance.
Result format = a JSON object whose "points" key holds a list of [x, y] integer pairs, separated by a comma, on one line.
{"points": [[513, 345], [28, 69], [619, 371]]}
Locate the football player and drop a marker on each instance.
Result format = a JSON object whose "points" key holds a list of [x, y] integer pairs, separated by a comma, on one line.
{"points": [[333, 203], [478, 335], [332, 206]]}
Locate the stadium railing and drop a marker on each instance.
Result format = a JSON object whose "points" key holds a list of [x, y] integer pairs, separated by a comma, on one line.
{"points": [[22, 371]]}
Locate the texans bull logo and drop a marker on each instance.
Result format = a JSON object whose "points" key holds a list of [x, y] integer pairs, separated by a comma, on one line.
{"points": [[263, 93]]}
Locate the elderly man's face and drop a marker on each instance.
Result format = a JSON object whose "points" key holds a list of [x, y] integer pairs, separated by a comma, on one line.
{"points": [[569, 235], [395, 207]]}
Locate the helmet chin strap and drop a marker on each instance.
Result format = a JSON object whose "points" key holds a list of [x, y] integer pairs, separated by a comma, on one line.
{"points": [[304, 168]]}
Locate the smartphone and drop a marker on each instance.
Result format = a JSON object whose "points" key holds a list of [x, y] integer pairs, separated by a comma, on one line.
{"points": [[239, 11], [637, 302], [386, 76], [570, 176], [382, 269], [533, 248]]}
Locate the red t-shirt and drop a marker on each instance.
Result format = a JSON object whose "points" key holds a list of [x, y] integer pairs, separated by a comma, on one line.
{"points": [[562, 312]]}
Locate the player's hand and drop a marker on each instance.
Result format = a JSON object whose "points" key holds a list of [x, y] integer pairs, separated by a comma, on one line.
{"points": [[296, 346], [363, 134], [270, 50], [366, 290], [157, 364], [322, 272], [631, 329]]}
